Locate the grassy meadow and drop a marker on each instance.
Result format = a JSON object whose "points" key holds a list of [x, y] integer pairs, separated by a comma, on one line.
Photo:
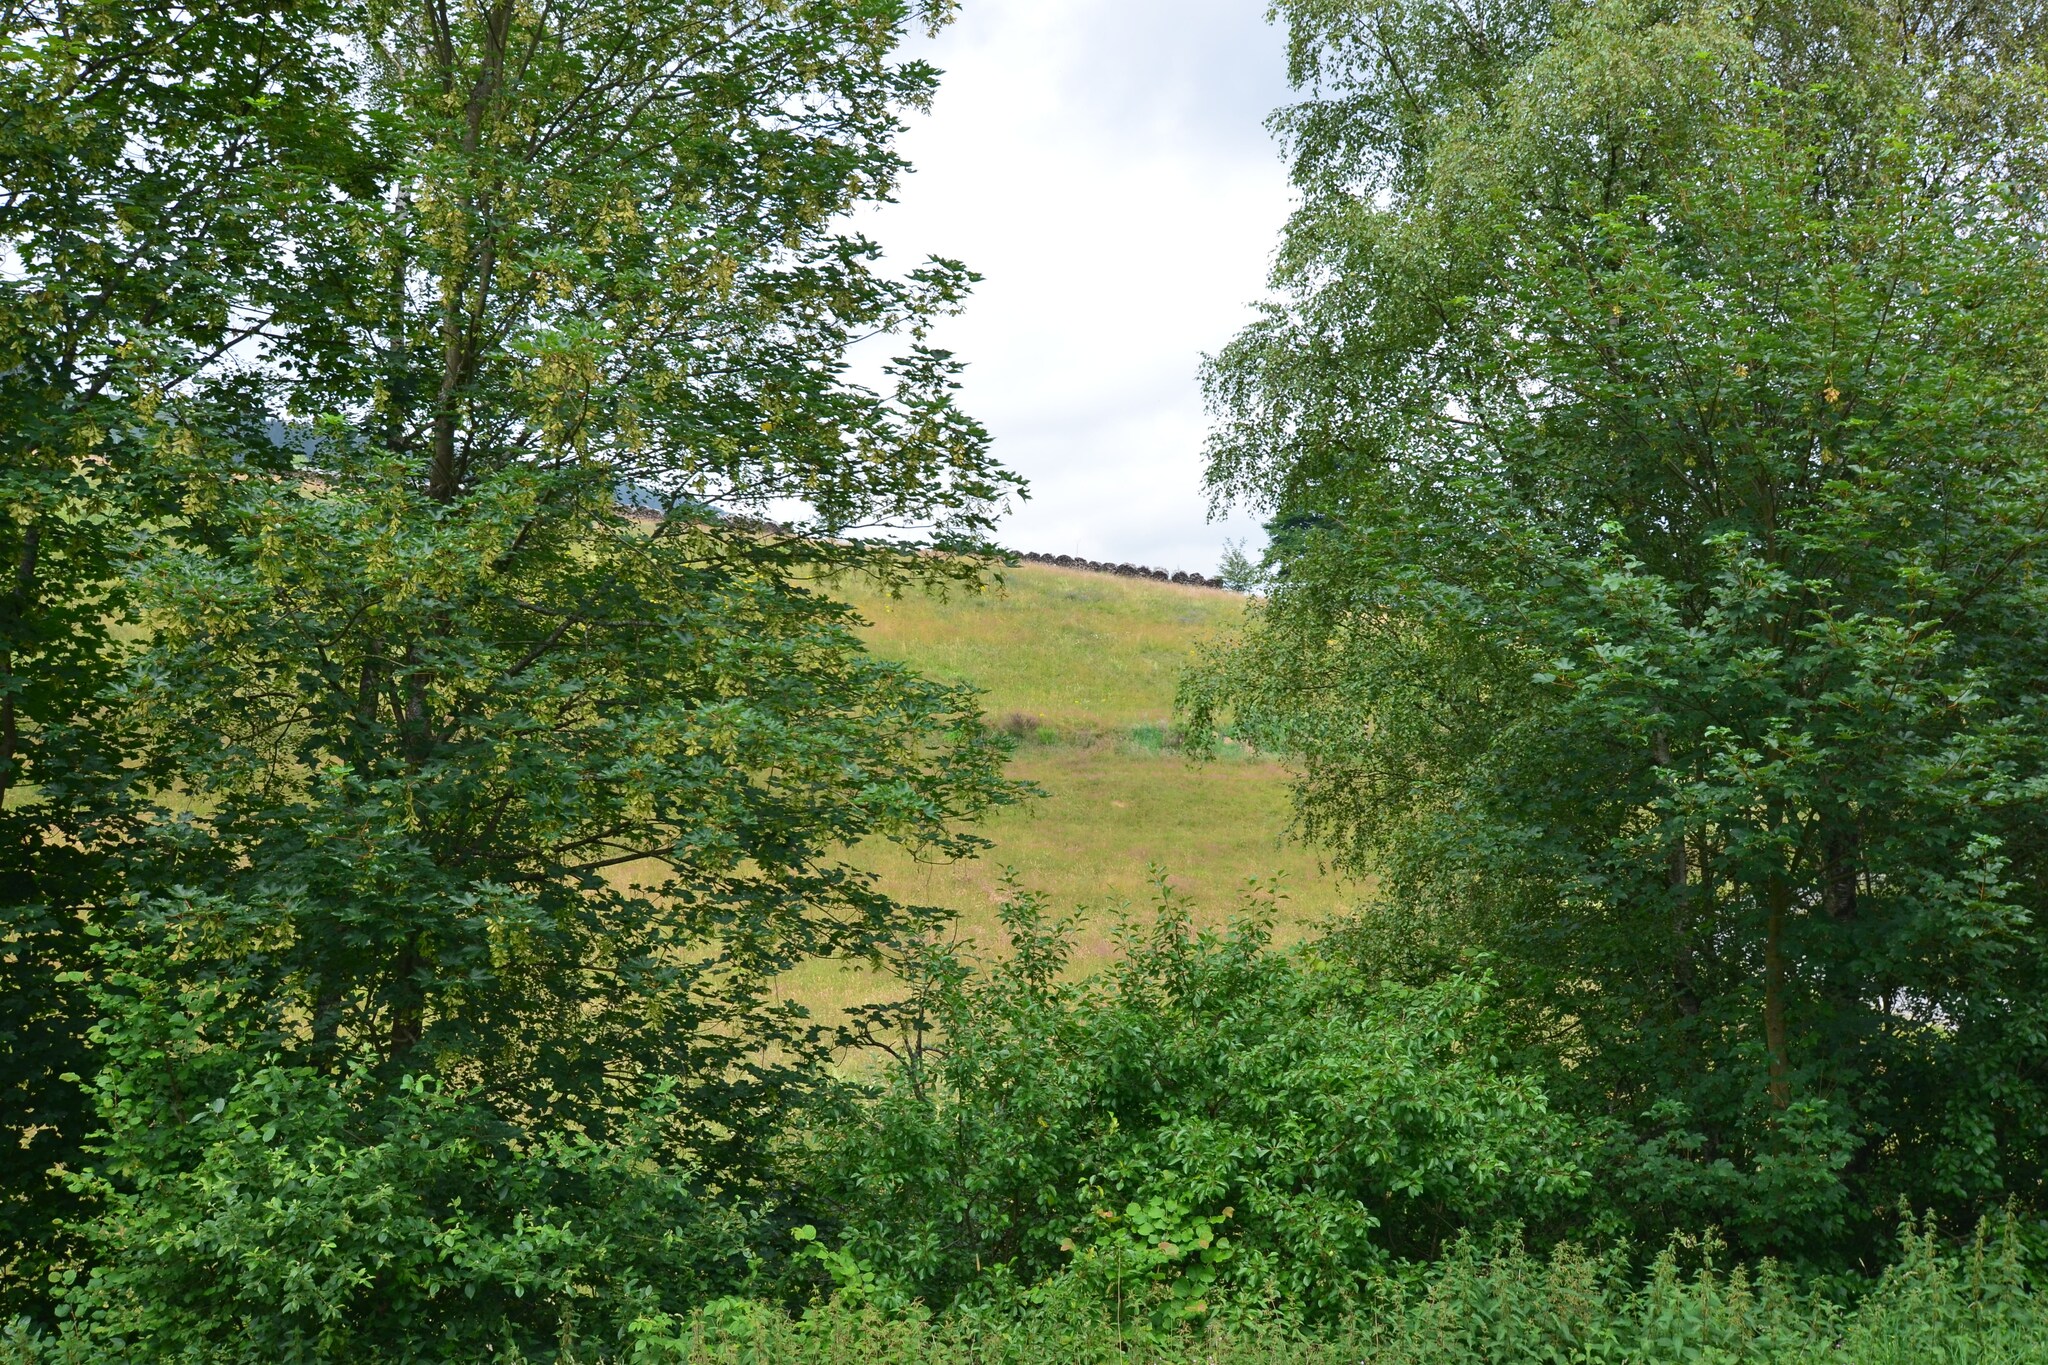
{"points": [[1071, 649], [1082, 667]]}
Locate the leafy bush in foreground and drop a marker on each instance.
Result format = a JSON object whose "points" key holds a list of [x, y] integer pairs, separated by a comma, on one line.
{"points": [[1497, 1306], [1208, 1115], [1502, 1306]]}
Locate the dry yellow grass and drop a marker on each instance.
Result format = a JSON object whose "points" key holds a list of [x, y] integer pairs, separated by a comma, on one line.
{"points": [[1095, 660], [1111, 813], [1065, 646]]}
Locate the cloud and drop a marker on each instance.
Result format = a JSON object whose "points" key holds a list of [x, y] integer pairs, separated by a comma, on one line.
{"points": [[1104, 165]]}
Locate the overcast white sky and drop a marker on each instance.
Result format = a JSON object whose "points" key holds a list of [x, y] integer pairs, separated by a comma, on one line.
{"points": [[1104, 163]]}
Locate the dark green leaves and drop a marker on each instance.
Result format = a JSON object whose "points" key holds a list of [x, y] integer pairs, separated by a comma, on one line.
{"points": [[455, 826]]}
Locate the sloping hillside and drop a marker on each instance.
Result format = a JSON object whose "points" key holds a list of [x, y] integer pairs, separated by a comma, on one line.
{"points": [[1082, 667], [1066, 647]]}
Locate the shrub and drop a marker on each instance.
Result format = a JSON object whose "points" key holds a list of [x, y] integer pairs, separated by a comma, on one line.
{"points": [[260, 1208], [1208, 1117]]}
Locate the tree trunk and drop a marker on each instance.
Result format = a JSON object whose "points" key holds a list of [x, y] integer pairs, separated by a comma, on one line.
{"points": [[17, 614], [7, 724], [1677, 875], [1780, 897], [326, 1026], [408, 1010], [457, 323], [1842, 850]]}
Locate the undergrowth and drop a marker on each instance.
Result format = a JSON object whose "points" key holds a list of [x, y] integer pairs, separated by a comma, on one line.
{"points": [[1498, 1306], [1481, 1305]]}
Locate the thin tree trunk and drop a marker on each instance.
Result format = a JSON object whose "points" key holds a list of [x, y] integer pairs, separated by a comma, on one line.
{"points": [[7, 725], [1684, 918], [398, 394], [18, 608], [445, 476], [326, 1025], [407, 1009], [1842, 852], [1677, 875], [1780, 898], [415, 727]]}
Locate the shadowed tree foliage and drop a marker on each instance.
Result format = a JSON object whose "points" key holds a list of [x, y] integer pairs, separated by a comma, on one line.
{"points": [[148, 159], [438, 1014]]}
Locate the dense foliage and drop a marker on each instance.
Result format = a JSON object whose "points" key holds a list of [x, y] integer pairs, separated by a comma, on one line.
{"points": [[1651, 427], [148, 158], [1484, 1304], [1208, 1116], [1487, 1303], [427, 741], [465, 819]]}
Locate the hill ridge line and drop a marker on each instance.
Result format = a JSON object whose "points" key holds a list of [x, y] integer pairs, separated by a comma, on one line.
{"points": [[638, 507], [1195, 580]]}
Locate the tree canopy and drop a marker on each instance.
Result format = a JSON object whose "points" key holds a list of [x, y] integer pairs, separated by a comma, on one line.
{"points": [[425, 380], [1650, 423]]}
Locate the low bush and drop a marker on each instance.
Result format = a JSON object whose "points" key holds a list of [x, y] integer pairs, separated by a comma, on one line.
{"points": [[254, 1204], [1208, 1117], [315, 1228]]}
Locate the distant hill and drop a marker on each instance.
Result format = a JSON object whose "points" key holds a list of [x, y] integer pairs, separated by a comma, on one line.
{"points": [[1074, 649], [1082, 666]]}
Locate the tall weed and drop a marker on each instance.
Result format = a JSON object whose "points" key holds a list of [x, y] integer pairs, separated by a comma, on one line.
{"points": [[1491, 1303], [1481, 1305]]}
